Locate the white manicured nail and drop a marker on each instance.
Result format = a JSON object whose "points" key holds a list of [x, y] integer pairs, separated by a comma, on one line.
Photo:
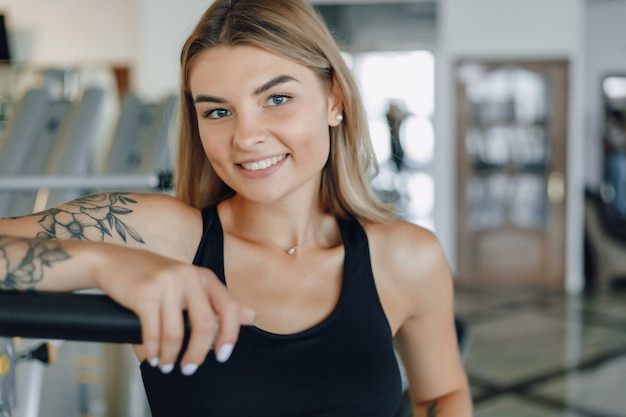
{"points": [[224, 353], [154, 362], [167, 368], [189, 369]]}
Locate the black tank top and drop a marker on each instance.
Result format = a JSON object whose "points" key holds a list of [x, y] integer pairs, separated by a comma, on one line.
{"points": [[344, 366]]}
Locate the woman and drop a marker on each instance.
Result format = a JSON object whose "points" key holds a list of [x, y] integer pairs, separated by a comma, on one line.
{"points": [[276, 246]]}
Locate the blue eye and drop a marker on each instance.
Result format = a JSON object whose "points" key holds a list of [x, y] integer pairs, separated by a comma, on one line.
{"points": [[278, 99], [217, 113]]}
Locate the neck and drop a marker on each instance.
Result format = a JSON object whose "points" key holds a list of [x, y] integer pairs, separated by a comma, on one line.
{"points": [[288, 229]]}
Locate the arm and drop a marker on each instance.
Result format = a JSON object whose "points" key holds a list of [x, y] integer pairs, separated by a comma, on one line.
{"points": [[426, 338], [137, 249], [36, 248]]}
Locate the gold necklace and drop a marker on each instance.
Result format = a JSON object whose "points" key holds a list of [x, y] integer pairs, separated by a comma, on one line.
{"points": [[289, 251]]}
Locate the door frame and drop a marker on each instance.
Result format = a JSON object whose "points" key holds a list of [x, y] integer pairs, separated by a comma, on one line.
{"points": [[551, 274]]}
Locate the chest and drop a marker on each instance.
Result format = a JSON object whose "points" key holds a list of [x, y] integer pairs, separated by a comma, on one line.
{"points": [[289, 293]]}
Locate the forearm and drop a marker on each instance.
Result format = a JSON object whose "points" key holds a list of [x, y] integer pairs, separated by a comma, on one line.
{"points": [[455, 404], [45, 264]]}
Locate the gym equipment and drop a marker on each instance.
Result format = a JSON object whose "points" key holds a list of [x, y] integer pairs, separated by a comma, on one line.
{"points": [[54, 148], [605, 231], [122, 182], [68, 316], [39, 151], [71, 317], [61, 142], [142, 141], [7, 377], [22, 132], [74, 154], [49, 137], [47, 156], [44, 352]]}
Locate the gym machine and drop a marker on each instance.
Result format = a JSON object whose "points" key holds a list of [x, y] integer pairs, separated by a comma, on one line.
{"points": [[48, 156], [57, 316]]}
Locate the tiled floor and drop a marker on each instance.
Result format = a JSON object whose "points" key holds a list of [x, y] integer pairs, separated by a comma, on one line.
{"points": [[543, 354]]}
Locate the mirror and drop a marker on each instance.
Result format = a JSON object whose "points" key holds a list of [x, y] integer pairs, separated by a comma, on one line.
{"points": [[614, 143]]}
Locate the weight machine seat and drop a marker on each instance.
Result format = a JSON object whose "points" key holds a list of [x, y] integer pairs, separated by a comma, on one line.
{"points": [[606, 234]]}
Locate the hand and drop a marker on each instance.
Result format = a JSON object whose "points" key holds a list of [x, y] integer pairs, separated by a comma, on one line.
{"points": [[158, 290]]}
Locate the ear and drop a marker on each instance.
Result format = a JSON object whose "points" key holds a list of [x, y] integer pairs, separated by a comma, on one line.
{"points": [[335, 104]]}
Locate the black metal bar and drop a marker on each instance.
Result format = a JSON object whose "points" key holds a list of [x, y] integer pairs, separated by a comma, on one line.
{"points": [[68, 316]]}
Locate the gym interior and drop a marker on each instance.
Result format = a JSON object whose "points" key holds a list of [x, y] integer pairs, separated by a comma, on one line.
{"points": [[498, 124]]}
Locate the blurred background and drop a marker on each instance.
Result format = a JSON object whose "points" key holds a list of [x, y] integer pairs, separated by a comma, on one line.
{"points": [[499, 124]]}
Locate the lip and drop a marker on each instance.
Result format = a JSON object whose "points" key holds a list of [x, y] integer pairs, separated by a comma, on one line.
{"points": [[261, 172]]}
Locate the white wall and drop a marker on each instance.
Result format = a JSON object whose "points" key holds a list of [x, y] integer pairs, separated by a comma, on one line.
{"points": [[511, 29], [68, 32], [145, 35], [163, 27]]}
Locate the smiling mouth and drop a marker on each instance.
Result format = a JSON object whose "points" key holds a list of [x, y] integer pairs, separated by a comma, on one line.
{"points": [[263, 164]]}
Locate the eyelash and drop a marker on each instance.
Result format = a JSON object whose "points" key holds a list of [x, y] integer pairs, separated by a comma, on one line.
{"points": [[282, 96], [209, 113]]}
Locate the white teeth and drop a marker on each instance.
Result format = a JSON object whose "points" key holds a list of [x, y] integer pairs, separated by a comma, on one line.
{"points": [[265, 163]]}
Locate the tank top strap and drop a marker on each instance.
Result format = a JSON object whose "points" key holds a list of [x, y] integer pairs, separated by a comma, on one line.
{"points": [[210, 251], [354, 240], [358, 278], [357, 256]]}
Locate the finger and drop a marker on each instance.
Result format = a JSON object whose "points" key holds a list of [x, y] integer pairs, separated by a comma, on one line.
{"points": [[230, 321], [172, 330], [150, 333], [203, 322]]}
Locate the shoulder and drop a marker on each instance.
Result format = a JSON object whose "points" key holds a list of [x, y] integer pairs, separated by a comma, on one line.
{"points": [[143, 210], [400, 244], [166, 207], [172, 227], [408, 260]]}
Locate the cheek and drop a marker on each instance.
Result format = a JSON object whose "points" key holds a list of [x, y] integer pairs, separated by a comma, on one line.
{"points": [[216, 156], [213, 150], [313, 128], [206, 144], [307, 134], [317, 146]]}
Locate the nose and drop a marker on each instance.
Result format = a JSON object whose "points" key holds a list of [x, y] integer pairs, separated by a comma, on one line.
{"points": [[249, 130]]}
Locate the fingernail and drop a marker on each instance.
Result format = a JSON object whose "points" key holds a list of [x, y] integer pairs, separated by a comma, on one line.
{"points": [[154, 362], [189, 369], [224, 353], [167, 368]]}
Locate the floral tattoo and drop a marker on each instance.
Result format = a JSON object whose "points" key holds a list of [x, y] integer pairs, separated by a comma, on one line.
{"points": [[23, 261], [89, 218]]}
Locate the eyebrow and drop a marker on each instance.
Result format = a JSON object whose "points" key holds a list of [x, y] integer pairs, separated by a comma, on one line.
{"points": [[208, 99], [271, 83], [274, 82]]}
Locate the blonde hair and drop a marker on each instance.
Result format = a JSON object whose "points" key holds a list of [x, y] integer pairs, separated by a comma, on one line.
{"points": [[291, 29]]}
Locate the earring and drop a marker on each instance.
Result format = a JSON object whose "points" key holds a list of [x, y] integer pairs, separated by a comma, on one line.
{"points": [[339, 117]]}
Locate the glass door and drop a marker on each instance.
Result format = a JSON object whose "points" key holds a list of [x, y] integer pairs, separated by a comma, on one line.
{"points": [[511, 172]]}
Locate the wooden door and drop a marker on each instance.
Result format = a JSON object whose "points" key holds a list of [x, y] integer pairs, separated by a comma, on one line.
{"points": [[511, 147]]}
